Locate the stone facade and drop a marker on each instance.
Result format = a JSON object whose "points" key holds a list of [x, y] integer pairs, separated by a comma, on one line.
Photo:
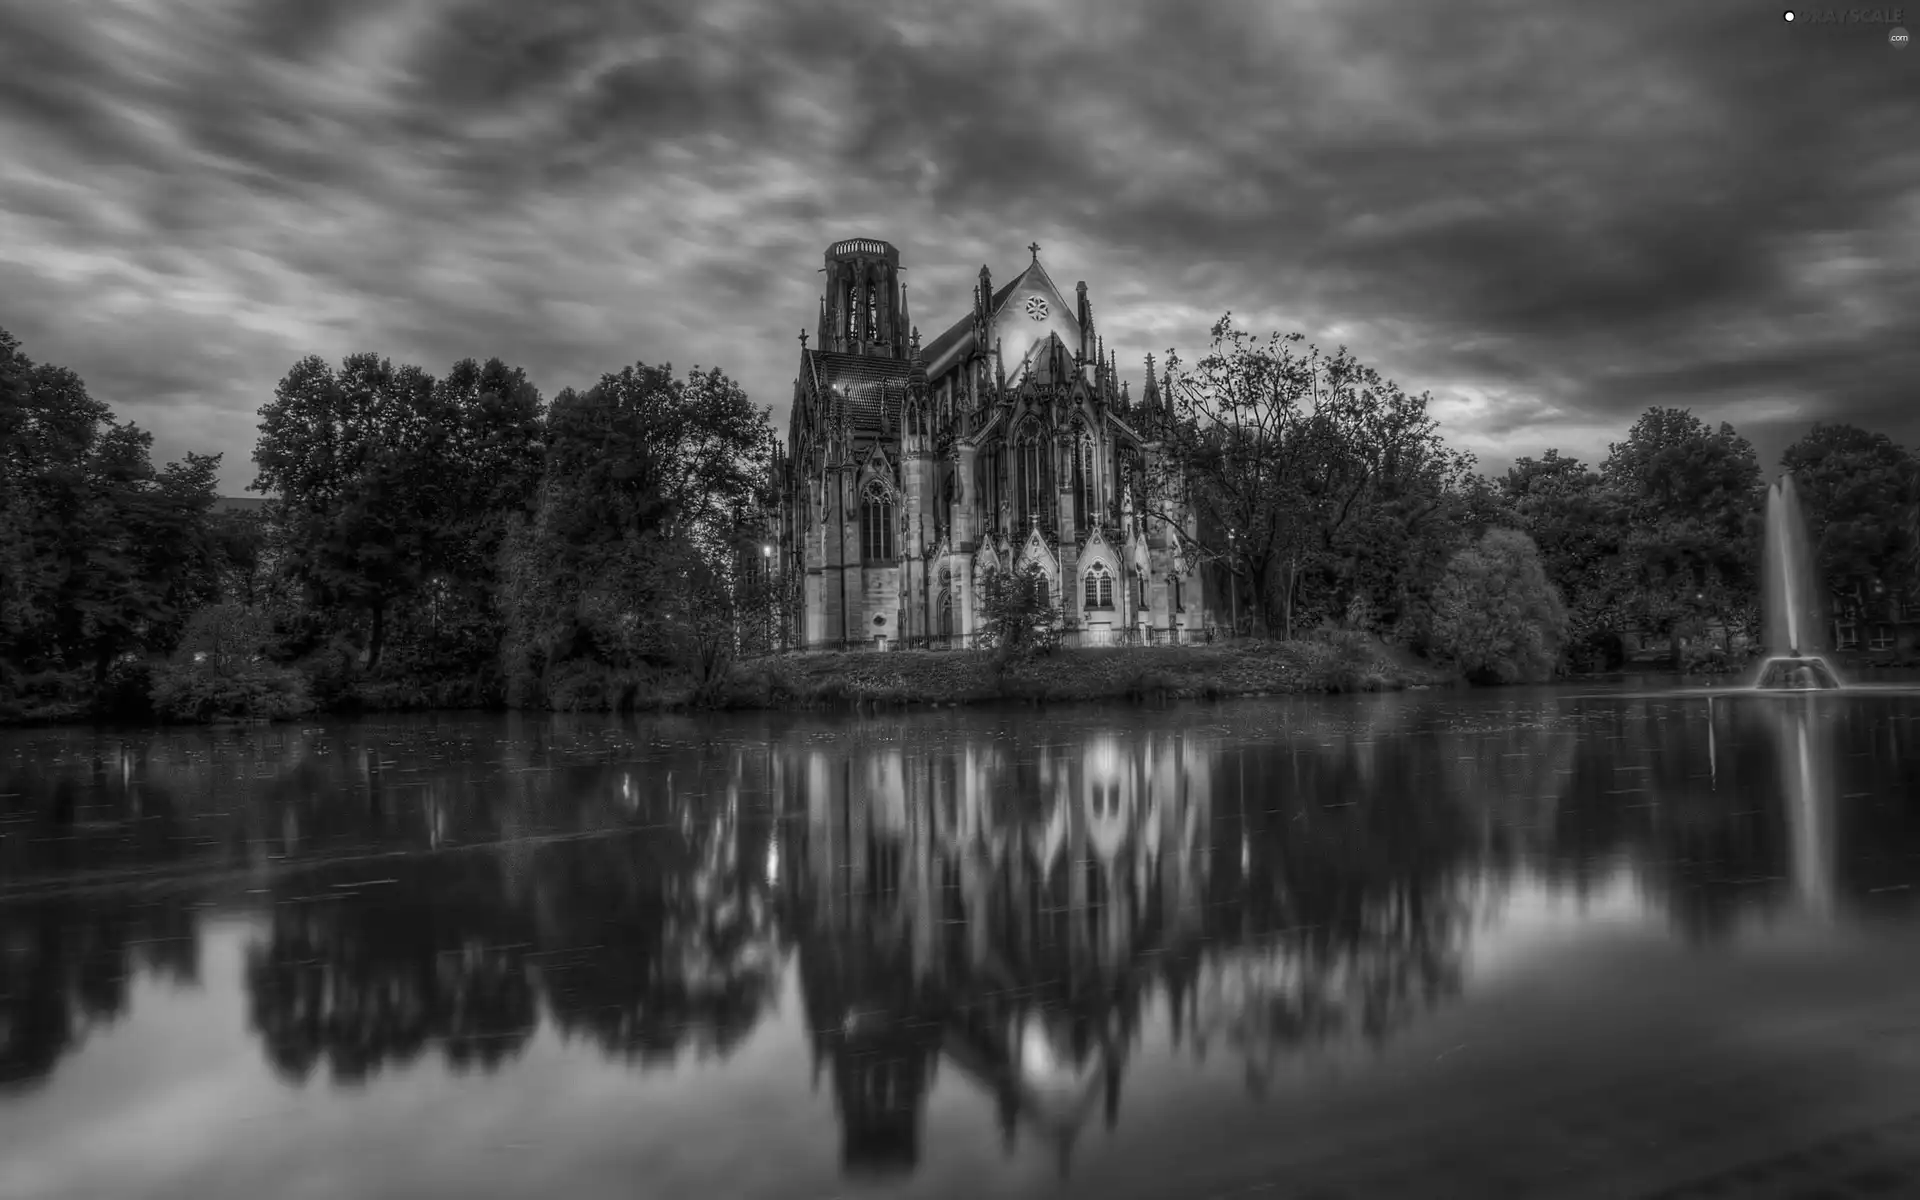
{"points": [[909, 471]]}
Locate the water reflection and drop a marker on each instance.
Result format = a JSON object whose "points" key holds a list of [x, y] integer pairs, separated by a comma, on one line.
{"points": [[1012, 910]]}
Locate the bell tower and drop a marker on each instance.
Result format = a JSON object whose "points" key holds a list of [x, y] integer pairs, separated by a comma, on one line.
{"points": [[864, 308]]}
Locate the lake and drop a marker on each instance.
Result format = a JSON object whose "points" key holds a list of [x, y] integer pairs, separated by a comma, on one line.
{"points": [[1474, 944]]}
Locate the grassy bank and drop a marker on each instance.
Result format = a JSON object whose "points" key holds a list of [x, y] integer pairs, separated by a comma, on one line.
{"points": [[864, 679], [1066, 676]]}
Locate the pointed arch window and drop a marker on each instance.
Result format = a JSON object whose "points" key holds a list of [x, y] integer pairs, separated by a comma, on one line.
{"points": [[876, 523], [1085, 480], [1179, 601], [1099, 586], [873, 311], [852, 309], [986, 486], [944, 606], [1030, 467]]}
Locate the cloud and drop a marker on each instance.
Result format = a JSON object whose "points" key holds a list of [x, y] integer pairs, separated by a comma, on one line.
{"points": [[1550, 214]]}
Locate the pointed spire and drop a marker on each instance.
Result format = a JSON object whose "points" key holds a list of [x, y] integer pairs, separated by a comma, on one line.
{"points": [[1150, 397], [905, 321], [1126, 395], [917, 370], [822, 335], [999, 368]]}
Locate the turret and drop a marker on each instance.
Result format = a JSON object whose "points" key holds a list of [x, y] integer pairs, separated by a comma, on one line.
{"points": [[861, 311], [917, 368]]}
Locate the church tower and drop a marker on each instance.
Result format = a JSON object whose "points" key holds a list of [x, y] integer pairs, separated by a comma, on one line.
{"points": [[864, 308]]}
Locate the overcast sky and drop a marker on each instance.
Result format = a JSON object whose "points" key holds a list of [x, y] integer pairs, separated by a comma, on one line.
{"points": [[1549, 213]]}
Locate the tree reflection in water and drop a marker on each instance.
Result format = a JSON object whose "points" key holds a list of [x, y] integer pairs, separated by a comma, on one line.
{"points": [[68, 958], [1006, 905]]}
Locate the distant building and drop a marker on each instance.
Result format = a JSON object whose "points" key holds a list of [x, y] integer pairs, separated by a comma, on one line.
{"points": [[911, 472], [1876, 622], [240, 504]]}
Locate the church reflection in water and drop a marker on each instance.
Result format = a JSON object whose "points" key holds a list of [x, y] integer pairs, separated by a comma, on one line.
{"points": [[1020, 910], [994, 918]]}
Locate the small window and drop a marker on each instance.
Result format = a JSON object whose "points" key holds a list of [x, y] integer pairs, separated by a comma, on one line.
{"points": [[1099, 586], [1882, 638]]}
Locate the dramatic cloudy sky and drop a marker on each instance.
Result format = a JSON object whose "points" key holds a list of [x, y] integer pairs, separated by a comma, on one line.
{"points": [[1549, 213]]}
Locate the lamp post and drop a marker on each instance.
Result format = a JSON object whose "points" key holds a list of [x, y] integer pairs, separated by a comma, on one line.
{"points": [[766, 584], [1233, 580]]}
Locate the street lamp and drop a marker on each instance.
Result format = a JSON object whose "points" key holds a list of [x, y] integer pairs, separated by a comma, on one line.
{"points": [[766, 580], [1233, 580]]}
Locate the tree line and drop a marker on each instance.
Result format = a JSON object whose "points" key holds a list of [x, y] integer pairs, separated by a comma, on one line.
{"points": [[1326, 496], [457, 540]]}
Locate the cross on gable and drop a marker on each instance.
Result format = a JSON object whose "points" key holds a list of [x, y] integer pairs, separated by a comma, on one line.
{"points": [[1035, 248]]}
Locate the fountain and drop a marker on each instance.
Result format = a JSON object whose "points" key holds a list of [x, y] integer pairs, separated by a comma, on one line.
{"points": [[1789, 600]]}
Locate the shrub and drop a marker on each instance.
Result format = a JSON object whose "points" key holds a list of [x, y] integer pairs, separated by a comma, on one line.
{"points": [[192, 691], [1018, 620], [1495, 613], [127, 692], [221, 672]]}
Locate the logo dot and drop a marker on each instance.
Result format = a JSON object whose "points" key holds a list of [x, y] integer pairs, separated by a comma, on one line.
{"points": [[1789, 16]]}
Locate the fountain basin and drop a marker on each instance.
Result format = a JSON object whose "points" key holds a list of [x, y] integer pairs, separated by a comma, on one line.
{"points": [[1796, 673]]}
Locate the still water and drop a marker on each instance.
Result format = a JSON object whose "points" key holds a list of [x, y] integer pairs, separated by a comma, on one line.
{"points": [[1424, 945]]}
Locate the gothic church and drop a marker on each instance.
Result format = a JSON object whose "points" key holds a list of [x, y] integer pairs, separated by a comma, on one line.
{"points": [[910, 472]]}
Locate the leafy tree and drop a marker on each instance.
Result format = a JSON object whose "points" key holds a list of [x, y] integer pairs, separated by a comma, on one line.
{"points": [[221, 670], [1313, 478], [1576, 522], [1497, 615], [350, 457], [1237, 445], [1691, 501], [1018, 619], [625, 561], [1857, 489], [394, 489], [100, 555]]}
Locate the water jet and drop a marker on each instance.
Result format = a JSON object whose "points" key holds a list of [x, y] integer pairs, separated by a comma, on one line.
{"points": [[1789, 601]]}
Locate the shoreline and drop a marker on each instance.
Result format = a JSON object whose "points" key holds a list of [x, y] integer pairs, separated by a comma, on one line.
{"points": [[906, 679]]}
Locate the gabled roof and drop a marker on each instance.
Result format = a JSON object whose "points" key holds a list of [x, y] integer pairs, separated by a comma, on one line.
{"points": [[962, 330], [958, 338], [869, 384], [1037, 363]]}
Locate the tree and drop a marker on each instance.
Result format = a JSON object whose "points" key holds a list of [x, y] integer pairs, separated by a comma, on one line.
{"points": [[1857, 489], [1691, 501], [1236, 445], [1313, 478], [1497, 615], [1575, 521], [353, 459], [394, 489], [627, 557], [1018, 617], [100, 555]]}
